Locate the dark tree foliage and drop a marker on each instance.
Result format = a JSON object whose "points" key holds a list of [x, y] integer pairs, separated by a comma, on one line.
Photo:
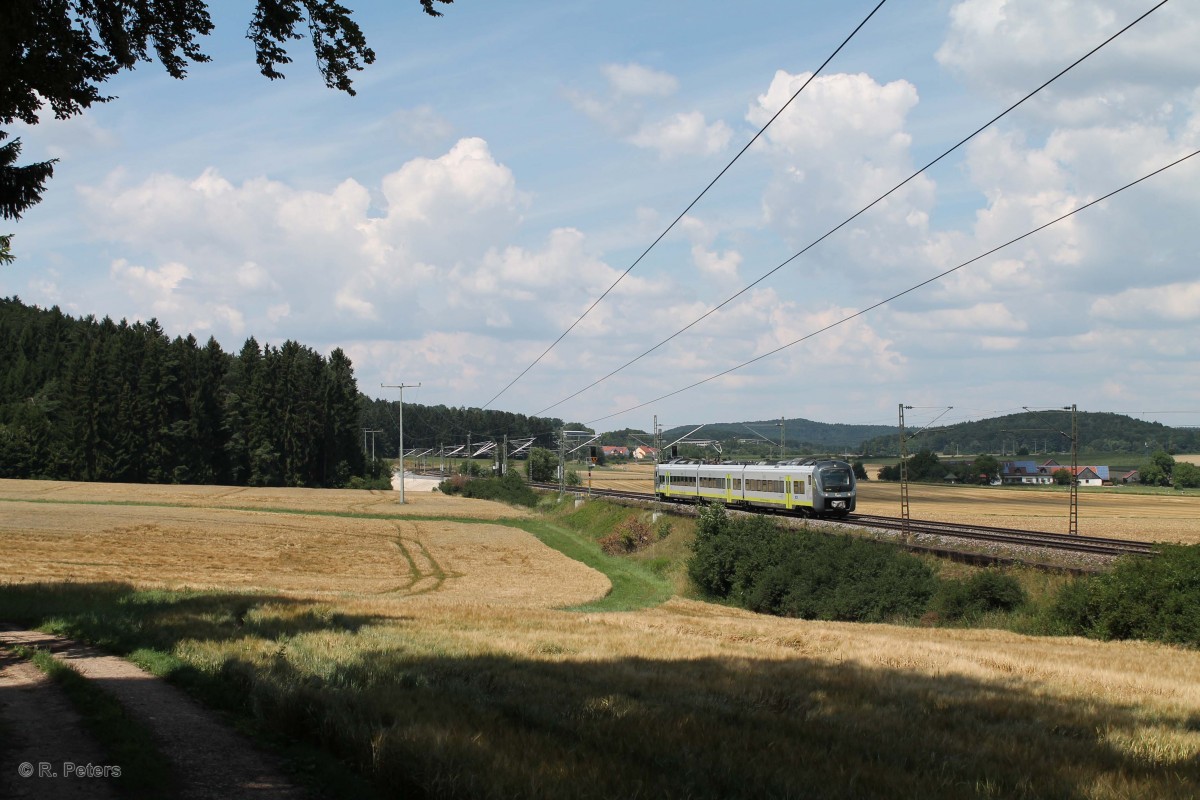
{"points": [[105, 401], [434, 426], [1154, 599], [754, 563], [60, 52]]}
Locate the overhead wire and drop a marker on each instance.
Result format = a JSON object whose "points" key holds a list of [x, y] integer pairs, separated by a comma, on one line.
{"points": [[856, 214], [909, 290], [690, 205]]}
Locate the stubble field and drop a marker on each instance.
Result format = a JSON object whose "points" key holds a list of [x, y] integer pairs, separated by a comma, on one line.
{"points": [[429, 646]]}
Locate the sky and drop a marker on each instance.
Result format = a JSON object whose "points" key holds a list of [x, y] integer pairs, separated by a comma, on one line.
{"points": [[502, 166]]}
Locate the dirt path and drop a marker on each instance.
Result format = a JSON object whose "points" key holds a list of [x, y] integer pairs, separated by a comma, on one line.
{"points": [[41, 728], [211, 760]]}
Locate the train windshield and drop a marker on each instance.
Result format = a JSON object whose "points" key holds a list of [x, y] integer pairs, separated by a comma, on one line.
{"points": [[836, 479]]}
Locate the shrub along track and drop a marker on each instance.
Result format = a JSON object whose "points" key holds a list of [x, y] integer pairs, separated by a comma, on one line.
{"points": [[210, 761]]}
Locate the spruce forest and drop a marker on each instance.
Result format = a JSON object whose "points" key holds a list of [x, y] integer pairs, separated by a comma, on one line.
{"points": [[97, 400], [104, 401]]}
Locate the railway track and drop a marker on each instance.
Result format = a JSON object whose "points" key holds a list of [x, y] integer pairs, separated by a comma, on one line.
{"points": [[1008, 536]]}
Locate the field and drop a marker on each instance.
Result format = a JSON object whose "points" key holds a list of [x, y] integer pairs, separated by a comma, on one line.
{"points": [[1117, 513], [430, 646]]}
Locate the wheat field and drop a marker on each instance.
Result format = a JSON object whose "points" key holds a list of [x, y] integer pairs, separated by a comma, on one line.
{"points": [[452, 667]]}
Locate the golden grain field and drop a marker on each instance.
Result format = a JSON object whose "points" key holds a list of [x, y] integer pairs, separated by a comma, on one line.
{"points": [[414, 603]]}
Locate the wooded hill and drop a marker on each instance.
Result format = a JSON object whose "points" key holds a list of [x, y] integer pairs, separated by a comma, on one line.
{"points": [[435, 426], [800, 435], [1045, 432]]}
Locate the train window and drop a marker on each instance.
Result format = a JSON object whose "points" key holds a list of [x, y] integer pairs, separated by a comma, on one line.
{"points": [[798, 487], [737, 484]]}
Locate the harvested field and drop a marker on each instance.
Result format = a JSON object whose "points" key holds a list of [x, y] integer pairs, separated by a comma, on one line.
{"points": [[354, 501], [296, 555], [432, 655], [1149, 517]]}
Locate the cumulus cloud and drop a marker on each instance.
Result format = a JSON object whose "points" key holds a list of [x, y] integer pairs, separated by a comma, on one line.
{"points": [[1008, 47], [683, 134], [1173, 303], [840, 145], [630, 108]]}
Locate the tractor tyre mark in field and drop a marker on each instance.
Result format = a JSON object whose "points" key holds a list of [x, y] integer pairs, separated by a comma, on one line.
{"points": [[425, 573]]}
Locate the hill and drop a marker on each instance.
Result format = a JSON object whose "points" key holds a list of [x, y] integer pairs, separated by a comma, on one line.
{"points": [[1046, 432], [802, 435]]}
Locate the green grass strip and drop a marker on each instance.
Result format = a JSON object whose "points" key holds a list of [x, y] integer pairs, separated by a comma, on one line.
{"points": [[634, 586], [145, 771]]}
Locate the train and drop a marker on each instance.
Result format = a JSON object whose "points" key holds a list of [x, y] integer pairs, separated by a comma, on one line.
{"points": [[811, 487]]}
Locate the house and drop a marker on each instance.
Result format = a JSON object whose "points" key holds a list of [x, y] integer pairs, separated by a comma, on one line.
{"points": [[1027, 473], [642, 452], [613, 451], [1127, 478], [1092, 476]]}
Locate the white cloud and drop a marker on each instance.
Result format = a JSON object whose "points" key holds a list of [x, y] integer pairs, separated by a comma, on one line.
{"points": [[1174, 303], [683, 134], [636, 80], [1009, 47]]}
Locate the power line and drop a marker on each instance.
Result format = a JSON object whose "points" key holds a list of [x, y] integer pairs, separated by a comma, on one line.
{"points": [[909, 290], [668, 229], [854, 216]]}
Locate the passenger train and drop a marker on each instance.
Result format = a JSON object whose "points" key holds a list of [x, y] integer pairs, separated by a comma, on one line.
{"points": [[815, 487]]}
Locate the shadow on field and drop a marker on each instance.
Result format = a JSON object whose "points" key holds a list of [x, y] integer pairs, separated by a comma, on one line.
{"points": [[122, 618], [545, 725]]}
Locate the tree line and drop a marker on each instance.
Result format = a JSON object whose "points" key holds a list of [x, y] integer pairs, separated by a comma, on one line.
{"points": [[98, 400], [440, 425]]}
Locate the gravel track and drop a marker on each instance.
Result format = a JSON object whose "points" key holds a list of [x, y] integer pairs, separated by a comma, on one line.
{"points": [[211, 761]]}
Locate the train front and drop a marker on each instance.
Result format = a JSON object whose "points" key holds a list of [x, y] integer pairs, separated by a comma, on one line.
{"points": [[836, 489]]}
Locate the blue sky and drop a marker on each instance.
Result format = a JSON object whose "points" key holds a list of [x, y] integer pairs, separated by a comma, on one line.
{"points": [[502, 165]]}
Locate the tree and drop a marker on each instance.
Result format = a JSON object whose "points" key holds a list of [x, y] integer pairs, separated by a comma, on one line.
{"points": [[1062, 476], [542, 465], [1158, 472], [1186, 476], [860, 471], [985, 468], [60, 52]]}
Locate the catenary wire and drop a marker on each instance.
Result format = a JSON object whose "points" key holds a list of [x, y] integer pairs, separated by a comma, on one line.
{"points": [[909, 290], [854, 216], [668, 229]]}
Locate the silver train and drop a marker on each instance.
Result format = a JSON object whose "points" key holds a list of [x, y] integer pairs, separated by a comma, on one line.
{"points": [[816, 487]]}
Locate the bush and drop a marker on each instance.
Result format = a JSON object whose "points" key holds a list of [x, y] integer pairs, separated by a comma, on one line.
{"points": [[1156, 599], [985, 591], [357, 482], [805, 574], [510, 489], [630, 535]]}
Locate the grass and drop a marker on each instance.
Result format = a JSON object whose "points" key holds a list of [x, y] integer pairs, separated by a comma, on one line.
{"points": [[145, 771], [634, 586], [473, 690]]}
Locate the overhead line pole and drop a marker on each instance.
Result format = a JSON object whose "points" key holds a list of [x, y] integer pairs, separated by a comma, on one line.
{"points": [[1073, 523], [903, 474], [401, 387]]}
